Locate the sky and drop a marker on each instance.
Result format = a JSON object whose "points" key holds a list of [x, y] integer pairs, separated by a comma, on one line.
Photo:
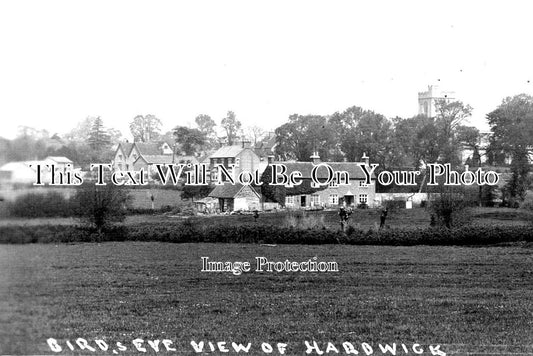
{"points": [[62, 61]]}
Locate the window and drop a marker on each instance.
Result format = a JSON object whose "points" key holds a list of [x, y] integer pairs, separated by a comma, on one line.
{"points": [[363, 198], [289, 199], [334, 199], [363, 184], [237, 162], [315, 199], [333, 183]]}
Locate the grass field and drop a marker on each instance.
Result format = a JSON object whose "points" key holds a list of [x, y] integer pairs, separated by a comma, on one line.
{"points": [[477, 300]]}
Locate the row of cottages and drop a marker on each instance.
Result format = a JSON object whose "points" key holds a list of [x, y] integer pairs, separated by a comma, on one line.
{"points": [[352, 194], [355, 192]]}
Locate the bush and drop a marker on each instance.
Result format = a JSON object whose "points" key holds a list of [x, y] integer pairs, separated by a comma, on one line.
{"points": [[188, 231], [36, 205], [451, 209], [99, 206]]}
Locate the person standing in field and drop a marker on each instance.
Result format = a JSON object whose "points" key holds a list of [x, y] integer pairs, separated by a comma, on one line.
{"points": [[344, 215], [382, 218]]}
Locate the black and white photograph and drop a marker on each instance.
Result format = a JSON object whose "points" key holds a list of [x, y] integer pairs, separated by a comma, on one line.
{"points": [[266, 177]]}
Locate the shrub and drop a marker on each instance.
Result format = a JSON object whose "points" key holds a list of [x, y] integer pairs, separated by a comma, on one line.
{"points": [[188, 231], [99, 206], [451, 209], [35, 205]]}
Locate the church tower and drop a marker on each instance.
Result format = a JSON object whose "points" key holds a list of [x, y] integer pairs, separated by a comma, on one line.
{"points": [[426, 99]]}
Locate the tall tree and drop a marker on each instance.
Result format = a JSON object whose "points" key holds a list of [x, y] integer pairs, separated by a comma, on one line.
{"points": [[98, 135], [449, 115], [302, 135], [512, 127], [189, 140], [232, 126], [205, 124], [254, 133], [469, 136], [145, 128]]}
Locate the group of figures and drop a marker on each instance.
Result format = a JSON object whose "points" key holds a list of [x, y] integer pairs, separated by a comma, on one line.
{"points": [[344, 214]]}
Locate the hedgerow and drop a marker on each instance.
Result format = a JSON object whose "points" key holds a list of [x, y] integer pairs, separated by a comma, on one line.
{"points": [[187, 231]]}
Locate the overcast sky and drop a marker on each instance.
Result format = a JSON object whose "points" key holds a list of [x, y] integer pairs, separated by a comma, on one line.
{"points": [[61, 61]]}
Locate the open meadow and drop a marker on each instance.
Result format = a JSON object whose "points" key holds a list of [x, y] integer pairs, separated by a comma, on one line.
{"points": [[468, 300]]}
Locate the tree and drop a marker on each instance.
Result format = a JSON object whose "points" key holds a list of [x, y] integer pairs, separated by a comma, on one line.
{"points": [[303, 135], [449, 115], [98, 137], [254, 133], [205, 124], [232, 126], [99, 206], [189, 140], [145, 128], [512, 127], [272, 193], [469, 136]]}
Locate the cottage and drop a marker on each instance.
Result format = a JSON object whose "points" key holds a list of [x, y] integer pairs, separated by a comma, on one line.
{"points": [[233, 197], [127, 153], [355, 193], [241, 156]]}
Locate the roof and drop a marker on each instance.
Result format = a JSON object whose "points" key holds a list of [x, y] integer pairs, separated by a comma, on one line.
{"points": [[125, 147], [12, 166], [228, 191], [59, 159], [228, 151], [156, 159], [305, 168]]}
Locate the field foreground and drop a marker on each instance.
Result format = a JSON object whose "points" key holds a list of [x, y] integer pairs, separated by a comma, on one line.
{"points": [[468, 300]]}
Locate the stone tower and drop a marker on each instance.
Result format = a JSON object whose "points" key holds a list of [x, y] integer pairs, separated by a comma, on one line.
{"points": [[426, 99]]}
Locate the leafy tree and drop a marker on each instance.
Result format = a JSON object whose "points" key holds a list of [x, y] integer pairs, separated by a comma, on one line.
{"points": [[301, 136], [231, 125], [205, 124], [272, 193], [190, 140], [469, 136], [449, 115], [145, 128], [100, 206], [512, 127], [361, 131]]}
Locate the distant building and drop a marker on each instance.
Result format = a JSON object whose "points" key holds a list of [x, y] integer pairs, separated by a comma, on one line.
{"points": [[243, 157], [25, 172], [427, 99], [233, 197], [127, 153]]}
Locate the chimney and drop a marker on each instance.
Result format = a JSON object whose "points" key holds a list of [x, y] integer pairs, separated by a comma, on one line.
{"points": [[270, 159], [315, 158], [246, 144], [366, 159]]}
